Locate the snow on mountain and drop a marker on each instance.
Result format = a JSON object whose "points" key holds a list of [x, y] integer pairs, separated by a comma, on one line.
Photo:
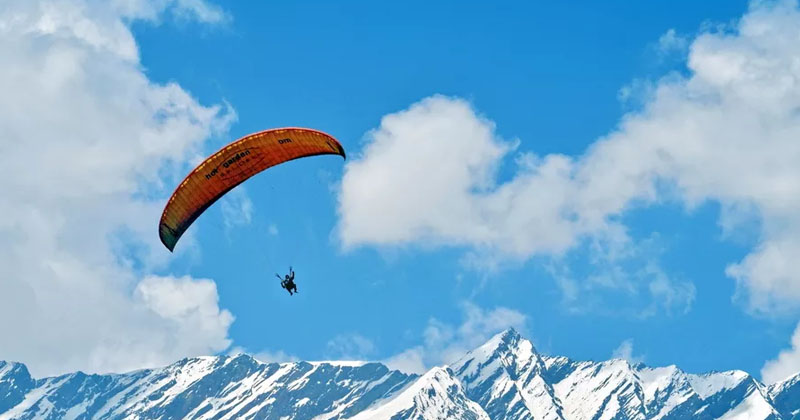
{"points": [[510, 380], [436, 395], [719, 390], [605, 390], [785, 396], [504, 379], [213, 387], [15, 383]]}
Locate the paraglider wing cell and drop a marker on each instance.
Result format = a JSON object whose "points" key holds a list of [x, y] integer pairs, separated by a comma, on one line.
{"points": [[231, 166]]}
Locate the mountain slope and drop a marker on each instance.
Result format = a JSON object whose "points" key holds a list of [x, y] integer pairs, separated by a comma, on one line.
{"points": [[213, 387], [504, 379], [785, 396], [436, 395]]}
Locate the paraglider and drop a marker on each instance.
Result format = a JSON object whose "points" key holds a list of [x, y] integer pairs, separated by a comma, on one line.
{"points": [[234, 164], [288, 282]]}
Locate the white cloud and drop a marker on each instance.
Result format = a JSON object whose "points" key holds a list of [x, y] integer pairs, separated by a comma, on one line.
{"points": [[625, 352], [274, 357], [266, 356], [192, 304], [409, 361], [350, 347], [444, 343], [786, 364], [670, 42], [625, 272], [451, 152], [727, 132], [670, 293], [636, 93], [272, 229], [237, 208], [87, 140], [201, 11], [197, 10]]}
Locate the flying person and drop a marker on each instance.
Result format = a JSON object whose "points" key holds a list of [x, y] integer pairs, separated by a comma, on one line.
{"points": [[284, 282], [288, 282]]}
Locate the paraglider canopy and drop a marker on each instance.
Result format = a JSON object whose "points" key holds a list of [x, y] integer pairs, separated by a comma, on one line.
{"points": [[234, 164]]}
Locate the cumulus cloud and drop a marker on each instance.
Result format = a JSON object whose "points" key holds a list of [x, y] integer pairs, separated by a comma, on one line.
{"points": [[444, 343], [192, 305], [786, 364], [726, 132], [87, 143]]}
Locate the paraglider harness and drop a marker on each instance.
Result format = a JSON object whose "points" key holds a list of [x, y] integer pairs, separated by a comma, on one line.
{"points": [[288, 282]]}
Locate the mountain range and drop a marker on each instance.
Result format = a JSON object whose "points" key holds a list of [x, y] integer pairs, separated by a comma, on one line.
{"points": [[504, 379]]}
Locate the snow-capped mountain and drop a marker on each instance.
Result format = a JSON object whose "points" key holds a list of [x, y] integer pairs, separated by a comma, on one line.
{"points": [[511, 380], [504, 379], [203, 388], [435, 395]]}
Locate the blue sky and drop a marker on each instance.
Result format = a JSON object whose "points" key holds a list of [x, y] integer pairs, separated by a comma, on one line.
{"points": [[546, 80], [547, 74]]}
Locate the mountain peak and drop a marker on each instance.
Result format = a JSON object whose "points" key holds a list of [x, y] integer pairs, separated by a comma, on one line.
{"points": [[508, 339], [506, 349], [503, 379], [506, 377], [13, 370], [435, 395], [510, 334]]}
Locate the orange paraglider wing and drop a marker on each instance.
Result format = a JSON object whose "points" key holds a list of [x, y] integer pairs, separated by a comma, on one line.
{"points": [[231, 166]]}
